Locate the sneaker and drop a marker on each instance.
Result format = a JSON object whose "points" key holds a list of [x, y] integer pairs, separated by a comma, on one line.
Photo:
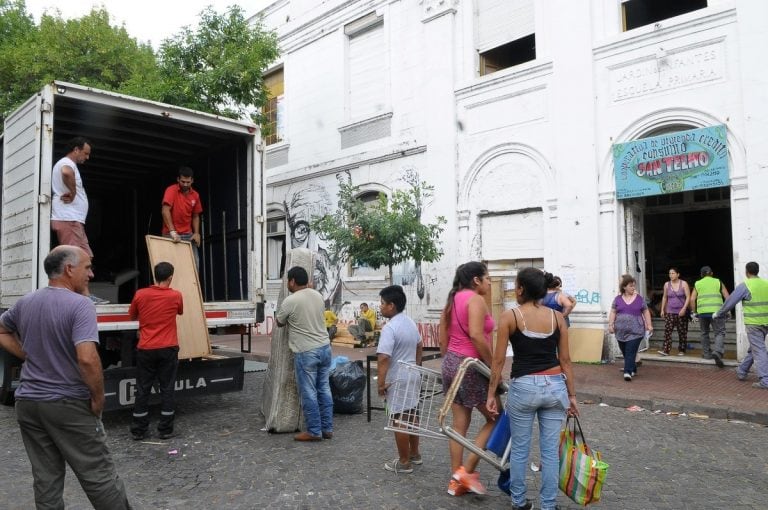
{"points": [[662, 353], [138, 436], [528, 505], [718, 359], [416, 459], [166, 435], [456, 489], [741, 377], [396, 467], [471, 481], [760, 386], [627, 376]]}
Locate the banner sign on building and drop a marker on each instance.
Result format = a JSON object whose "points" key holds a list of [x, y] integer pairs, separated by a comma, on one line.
{"points": [[671, 163]]}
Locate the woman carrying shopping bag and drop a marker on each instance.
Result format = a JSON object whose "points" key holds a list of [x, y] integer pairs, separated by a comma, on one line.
{"points": [[541, 385]]}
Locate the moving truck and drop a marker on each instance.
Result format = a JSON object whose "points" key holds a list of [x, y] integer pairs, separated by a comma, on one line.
{"points": [[137, 147]]}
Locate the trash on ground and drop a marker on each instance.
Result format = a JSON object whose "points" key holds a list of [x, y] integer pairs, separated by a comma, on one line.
{"points": [[603, 404], [535, 467], [699, 416], [673, 413], [635, 409], [587, 401], [173, 452]]}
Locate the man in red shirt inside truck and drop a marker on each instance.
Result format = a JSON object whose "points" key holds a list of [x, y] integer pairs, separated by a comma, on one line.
{"points": [[157, 355], [181, 211]]}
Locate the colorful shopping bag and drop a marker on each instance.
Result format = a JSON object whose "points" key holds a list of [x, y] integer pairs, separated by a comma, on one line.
{"points": [[582, 472]]}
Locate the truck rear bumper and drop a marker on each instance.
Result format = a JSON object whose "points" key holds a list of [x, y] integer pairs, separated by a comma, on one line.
{"points": [[195, 377]]}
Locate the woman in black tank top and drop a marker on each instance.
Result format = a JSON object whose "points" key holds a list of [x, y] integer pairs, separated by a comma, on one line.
{"points": [[541, 385]]}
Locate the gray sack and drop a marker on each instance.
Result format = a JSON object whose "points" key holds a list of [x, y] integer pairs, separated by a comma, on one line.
{"points": [[281, 404]]}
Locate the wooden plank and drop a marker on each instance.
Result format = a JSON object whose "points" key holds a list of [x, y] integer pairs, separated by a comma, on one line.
{"points": [[193, 330]]}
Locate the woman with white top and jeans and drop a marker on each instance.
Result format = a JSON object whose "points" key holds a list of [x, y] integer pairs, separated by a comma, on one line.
{"points": [[541, 385]]}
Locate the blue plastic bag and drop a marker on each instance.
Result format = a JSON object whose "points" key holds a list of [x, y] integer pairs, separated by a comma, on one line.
{"points": [[500, 435]]}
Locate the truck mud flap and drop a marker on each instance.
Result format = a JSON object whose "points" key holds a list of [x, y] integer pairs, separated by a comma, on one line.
{"points": [[194, 377]]}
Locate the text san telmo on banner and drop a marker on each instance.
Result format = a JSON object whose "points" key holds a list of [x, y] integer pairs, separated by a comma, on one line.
{"points": [[671, 163]]}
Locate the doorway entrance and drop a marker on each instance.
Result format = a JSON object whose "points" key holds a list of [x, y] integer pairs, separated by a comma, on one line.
{"points": [[687, 230]]}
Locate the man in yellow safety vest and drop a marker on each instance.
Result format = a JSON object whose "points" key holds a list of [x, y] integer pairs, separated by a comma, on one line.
{"points": [[707, 298], [753, 296]]}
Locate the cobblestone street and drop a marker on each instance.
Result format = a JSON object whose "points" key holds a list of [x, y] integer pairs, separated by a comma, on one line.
{"points": [[225, 460]]}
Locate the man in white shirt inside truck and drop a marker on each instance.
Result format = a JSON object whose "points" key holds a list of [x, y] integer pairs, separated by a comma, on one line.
{"points": [[69, 203]]}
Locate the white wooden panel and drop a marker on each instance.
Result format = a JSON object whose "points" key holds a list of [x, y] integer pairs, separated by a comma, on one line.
{"points": [[368, 73], [502, 21], [513, 236]]}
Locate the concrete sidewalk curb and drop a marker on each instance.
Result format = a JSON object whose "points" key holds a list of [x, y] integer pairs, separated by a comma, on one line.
{"points": [[713, 412]]}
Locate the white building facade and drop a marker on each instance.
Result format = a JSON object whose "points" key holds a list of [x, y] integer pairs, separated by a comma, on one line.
{"points": [[512, 109]]}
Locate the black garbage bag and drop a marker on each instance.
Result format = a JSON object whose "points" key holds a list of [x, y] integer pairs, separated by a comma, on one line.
{"points": [[347, 387]]}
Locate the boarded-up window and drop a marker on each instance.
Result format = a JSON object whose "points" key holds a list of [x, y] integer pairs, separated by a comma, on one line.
{"points": [[368, 66], [511, 236], [504, 33]]}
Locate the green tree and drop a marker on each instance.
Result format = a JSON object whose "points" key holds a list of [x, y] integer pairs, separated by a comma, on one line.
{"points": [[88, 51], [385, 233], [218, 67]]}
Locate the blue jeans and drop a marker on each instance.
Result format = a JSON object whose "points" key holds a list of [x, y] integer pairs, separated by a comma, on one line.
{"points": [[312, 371], [629, 351], [546, 397]]}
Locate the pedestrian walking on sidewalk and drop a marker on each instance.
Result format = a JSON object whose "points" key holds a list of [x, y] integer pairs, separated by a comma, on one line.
{"points": [[302, 312], [707, 298], [753, 296], [466, 326], [157, 354], [400, 341], [541, 385], [630, 321], [674, 310]]}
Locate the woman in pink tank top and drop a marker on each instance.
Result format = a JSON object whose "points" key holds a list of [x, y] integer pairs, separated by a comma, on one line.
{"points": [[466, 328]]}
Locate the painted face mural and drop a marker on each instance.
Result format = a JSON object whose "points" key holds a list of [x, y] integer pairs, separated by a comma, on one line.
{"points": [[302, 205]]}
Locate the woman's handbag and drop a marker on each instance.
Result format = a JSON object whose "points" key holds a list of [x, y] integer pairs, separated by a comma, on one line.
{"points": [[582, 472]]}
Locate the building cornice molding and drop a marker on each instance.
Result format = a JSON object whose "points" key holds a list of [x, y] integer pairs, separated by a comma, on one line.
{"points": [[434, 9]]}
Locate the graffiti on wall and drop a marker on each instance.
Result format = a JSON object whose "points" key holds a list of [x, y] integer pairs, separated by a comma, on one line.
{"points": [[301, 206]]}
